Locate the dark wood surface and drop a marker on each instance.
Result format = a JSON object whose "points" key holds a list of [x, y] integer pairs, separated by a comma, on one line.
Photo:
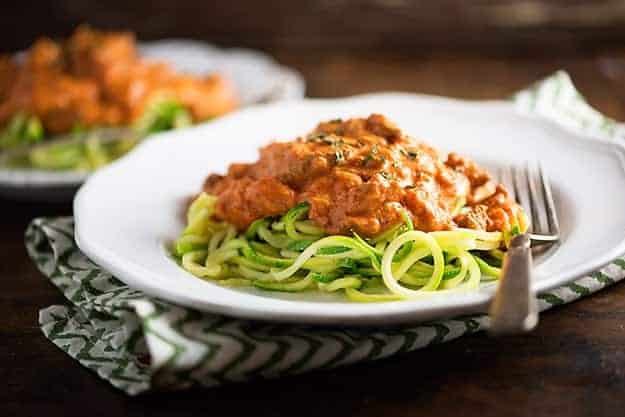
{"points": [[547, 27], [573, 364]]}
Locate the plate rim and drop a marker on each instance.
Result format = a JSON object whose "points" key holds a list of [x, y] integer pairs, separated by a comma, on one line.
{"points": [[466, 303]]}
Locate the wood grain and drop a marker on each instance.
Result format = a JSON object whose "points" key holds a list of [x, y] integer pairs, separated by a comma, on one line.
{"points": [[572, 365], [547, 27]]}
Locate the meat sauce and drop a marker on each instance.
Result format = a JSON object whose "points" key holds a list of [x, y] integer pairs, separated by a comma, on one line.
{"points": [[97, 78], [359, 175]]}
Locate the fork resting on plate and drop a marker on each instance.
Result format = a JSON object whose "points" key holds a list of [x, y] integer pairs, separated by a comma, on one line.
{"points": [[514, 308]]}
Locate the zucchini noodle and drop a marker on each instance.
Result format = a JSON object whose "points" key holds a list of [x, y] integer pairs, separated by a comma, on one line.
{"points": [[292, 254], [84, 149]]}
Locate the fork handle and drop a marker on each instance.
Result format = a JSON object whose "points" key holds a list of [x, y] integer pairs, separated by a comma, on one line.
{"points": [[514, 308]]}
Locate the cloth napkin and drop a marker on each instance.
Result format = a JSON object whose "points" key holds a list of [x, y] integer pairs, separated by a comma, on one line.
{"points": [[139, 343]]}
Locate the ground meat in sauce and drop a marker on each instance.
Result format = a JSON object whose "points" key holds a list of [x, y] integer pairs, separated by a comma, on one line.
{"points": [[358, 175], [98, 79]]}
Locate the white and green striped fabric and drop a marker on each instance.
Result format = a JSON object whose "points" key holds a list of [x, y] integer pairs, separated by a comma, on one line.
{"points": [[139, 343]]}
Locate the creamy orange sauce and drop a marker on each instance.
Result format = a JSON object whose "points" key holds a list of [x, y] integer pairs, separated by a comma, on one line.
{"points": [[358, 175], [97, 78]]}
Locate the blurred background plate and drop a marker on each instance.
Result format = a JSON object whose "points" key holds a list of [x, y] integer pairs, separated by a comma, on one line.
{"points": [[257, 77]]}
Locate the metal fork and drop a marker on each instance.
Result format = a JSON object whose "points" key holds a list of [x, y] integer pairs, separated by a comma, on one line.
{"points": [[514, 308]]}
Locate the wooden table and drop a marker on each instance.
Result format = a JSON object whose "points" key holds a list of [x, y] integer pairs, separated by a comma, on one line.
{"points": [[572, 365]]}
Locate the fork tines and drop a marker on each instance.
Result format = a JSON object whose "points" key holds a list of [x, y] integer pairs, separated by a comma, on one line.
{"points": [[529, 186]]}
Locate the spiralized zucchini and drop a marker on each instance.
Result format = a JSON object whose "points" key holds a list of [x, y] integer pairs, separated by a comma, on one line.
{"points": [[85, 150], [291, 254]]}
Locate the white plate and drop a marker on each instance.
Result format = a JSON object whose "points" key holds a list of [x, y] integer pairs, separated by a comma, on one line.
{"points": [[255, 75], [127, 212]]}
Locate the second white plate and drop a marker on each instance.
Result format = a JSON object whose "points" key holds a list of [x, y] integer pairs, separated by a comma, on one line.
{"points": [[255, 75]]}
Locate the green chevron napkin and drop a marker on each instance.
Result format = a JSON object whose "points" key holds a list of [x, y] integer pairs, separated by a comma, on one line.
{"points": [[139, 343]]}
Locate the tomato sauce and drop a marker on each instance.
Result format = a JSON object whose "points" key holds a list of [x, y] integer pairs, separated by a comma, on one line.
{"points": [[359, 175], [97, 79]]}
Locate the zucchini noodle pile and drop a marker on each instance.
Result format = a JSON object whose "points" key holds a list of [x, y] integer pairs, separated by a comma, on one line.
{"points": [[292, 254], [84, 149]]}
